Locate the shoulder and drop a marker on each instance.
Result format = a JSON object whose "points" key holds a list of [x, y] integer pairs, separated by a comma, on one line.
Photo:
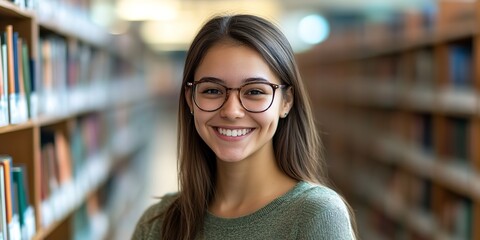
{"points": [[158, 208], [317, 198], [151, 219], [325, 214]]}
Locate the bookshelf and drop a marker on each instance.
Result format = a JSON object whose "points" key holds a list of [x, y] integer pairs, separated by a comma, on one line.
{"points": [[399, 104], [75, 116]]}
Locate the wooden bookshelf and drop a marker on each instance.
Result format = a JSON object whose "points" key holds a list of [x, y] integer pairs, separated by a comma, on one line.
{"points": [[89, 112], [401, 113]]}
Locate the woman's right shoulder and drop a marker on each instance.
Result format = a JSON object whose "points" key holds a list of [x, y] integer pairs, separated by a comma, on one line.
{"points": [[149, 224], [158, 208]]}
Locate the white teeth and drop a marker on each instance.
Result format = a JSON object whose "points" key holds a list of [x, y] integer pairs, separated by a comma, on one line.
{"points": [[233, 132]]}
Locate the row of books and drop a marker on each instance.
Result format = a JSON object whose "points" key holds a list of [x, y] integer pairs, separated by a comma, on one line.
{"points": [[455, 141], [64, 83], [17, 217], [414, 75], [76, 159], [72, 163], [419, 70], [403, 195], [417, 140], [80, 155], [402, 27], [72, 77], [110, 209], [16, 78], [125, 132], [70, 73]]}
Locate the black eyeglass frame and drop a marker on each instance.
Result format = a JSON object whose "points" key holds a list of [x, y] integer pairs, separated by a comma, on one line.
{"points": [[228, 90]]}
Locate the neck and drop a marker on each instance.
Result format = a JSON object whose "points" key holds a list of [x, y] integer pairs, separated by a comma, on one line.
{"points": [[246, 186]]}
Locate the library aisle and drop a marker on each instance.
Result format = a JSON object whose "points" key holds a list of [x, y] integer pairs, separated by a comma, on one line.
{"points": [[161, 177], [399, 100]]}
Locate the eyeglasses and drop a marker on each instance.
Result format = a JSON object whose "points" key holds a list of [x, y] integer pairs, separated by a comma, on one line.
{"points": [[254, 97]]}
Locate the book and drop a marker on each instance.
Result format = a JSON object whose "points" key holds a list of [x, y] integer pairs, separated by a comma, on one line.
{"points": [[14, 229], [33, 88], [63, 157], [5, 162], [3, 207], [53, 180], [47, 216], [25, 211], [9, 70], [26, 77], [16, 75], [461, 65], [17, 103], [48, 97], [19, 79], [4, 66], [3, 92], [10, 199]]}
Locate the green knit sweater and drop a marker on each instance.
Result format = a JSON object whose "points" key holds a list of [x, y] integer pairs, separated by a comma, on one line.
{"points": [[306, 212]]}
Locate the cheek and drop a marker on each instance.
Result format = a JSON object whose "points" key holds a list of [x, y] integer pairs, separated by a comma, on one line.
{"points": [[200, 121], [268, 120]]}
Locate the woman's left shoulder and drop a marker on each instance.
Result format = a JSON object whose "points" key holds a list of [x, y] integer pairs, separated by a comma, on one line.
{"points": [[324, 214], [318, 198]]}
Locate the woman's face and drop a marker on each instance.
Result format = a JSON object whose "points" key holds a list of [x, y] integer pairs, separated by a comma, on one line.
{"points": [[232, 132]]}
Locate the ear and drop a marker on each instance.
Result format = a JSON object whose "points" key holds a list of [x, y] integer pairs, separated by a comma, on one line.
{"points": [[287, 102], [188, 98]]}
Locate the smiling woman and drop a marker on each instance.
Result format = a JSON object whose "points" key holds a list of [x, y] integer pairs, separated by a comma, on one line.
{"points": [[250, 160], [253, 106]]}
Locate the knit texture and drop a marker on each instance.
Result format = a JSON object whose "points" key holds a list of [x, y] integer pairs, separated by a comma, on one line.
{"points": [[306, 212]]}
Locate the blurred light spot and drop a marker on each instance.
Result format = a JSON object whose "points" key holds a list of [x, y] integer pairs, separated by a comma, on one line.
{"points": [[313, 29]]}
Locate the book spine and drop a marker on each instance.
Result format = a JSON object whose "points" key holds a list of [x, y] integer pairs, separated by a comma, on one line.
{"points": [[10, 67], [25, 63]]}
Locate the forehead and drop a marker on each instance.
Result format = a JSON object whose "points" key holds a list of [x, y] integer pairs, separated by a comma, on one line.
{"points": [[233, 64]]}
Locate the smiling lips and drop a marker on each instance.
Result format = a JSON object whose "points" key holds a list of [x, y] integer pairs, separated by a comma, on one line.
{"points": [[234, 132]]}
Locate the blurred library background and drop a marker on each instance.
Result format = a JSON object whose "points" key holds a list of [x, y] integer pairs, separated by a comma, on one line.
{"points": [[89, 91]]}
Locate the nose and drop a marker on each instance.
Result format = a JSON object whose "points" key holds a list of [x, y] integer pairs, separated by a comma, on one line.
{"points": [[232, 108]]}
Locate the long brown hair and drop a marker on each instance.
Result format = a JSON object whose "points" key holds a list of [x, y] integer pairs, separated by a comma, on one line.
{"points": [[297, 146]]}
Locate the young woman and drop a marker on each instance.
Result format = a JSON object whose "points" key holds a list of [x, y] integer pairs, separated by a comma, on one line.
{"points": [[250, 162]]}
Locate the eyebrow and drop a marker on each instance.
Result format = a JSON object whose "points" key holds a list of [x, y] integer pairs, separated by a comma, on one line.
{"points": [[246, 80]]}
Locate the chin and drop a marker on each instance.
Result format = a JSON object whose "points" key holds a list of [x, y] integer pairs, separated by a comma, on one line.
{"points": [[230, 158], [229, 154]]}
